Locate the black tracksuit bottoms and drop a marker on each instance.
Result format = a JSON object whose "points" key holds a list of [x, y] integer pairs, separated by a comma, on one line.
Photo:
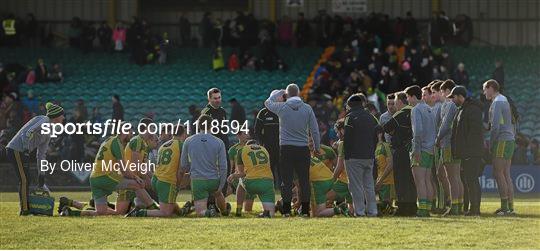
{"points": [[295, 160]]}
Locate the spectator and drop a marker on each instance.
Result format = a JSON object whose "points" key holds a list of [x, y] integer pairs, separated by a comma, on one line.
{"points": [[118, 109], [104, 34], [534, 153], [285, 31], [498, 74], [4, 82], [233, 64], [56, 74], [74, 32], [184, 28], [76, 146], [10, 27], [323, 25], [32, 30], [206, 30], [87, 37], [11, 109], [119, 37], [31, 103], [81, 111], [238, 112], [461, 76], [406, 78], [303, 30], [96, 116], [163, 48], [41, 71], [218, 62], [411, 28]]}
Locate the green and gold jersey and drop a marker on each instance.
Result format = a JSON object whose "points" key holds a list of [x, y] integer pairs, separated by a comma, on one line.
{"points": [[318, 171], [382, 152], [341, 154], [109, 152], [327, 156], [233, 151], [256, 162], [169, 161], [137, 144]]}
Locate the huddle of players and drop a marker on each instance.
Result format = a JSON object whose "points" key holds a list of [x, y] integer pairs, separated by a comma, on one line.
{"points": [[432, 113], [251, 177], [436, 171]]}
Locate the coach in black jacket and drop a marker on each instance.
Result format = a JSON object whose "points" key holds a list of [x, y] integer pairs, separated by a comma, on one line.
{"points": [[359, 144], [467, 145], [267, 134]]}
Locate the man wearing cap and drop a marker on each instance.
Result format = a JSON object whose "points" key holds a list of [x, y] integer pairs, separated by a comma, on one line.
{"points": [[467, 145], [296, 122], [28, 139], [359, 144]]}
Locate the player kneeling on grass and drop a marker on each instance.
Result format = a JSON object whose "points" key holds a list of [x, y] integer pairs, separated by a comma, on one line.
{"points": [[321, 179], [253, 169], [137, 151], [340, 190], [204, 156], [166, 179], [243, 201], [104, 180], [385, 177]]}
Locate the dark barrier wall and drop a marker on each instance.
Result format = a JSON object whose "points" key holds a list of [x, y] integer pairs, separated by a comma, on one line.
{"points": [[526, 179]]}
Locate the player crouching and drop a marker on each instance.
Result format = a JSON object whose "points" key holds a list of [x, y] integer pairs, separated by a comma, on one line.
{"points": [[321, 179], [253, 169], [105, 180], [166, 179]]}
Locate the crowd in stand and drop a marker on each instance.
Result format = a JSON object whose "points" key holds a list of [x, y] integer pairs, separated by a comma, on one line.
{"points": [[379, 55]]}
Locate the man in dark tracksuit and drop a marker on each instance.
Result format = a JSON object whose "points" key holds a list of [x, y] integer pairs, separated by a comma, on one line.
{"points": [[399, 126], [267, 134], [214, 110], [359, 142], [467, 145]]}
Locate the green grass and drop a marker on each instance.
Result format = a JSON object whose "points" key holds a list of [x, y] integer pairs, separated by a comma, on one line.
{"points": [[487, 232]]}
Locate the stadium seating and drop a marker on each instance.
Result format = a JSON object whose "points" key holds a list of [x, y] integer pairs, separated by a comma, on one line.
{"points": [[168, 90], [522, 78], [165, 90]]}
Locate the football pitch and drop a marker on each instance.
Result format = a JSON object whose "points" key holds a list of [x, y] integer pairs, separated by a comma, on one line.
{"points": [[249, 232]]}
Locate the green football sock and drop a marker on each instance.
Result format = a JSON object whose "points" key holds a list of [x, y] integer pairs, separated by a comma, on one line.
{"points": [[75, 213], [153, 206], [239, 211], [141, 213], [511, 205], [504, 204], [337, 210], [69, 202]]}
